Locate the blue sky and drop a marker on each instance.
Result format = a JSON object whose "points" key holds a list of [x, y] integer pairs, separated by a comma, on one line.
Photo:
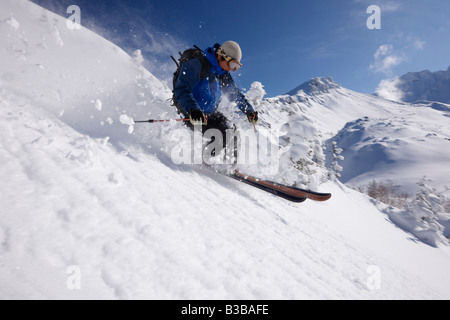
{"points": [[284, 42]]}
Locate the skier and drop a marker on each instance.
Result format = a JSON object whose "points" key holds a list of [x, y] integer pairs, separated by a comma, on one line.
{"points": [[200, 83]]}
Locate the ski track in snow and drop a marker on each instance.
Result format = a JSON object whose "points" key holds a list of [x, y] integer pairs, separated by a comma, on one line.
{"points": [[80, 188]]}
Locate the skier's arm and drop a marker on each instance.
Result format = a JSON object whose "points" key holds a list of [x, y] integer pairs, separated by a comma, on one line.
{"points": [[189, 76], [230, 88]]}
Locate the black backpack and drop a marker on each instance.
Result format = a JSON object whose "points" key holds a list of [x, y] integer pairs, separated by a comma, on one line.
{"points": [[187, 55]]}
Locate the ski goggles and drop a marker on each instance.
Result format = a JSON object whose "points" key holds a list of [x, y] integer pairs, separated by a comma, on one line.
{"points": [[232, 63]]}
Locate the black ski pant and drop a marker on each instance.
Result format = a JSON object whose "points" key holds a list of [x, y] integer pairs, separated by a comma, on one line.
{"points": [[217, 121]]}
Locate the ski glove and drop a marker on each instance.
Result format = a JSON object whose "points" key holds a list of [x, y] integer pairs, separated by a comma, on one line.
{"points": [[197, 117], [253, 117]]}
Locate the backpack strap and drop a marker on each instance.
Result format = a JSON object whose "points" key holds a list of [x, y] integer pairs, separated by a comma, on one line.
{"points": [[204, 62]]}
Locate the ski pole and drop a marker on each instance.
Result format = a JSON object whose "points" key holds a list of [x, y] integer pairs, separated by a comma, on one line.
{"points": [[153, 121]]}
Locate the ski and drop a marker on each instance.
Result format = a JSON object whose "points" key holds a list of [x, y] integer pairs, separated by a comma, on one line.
{"points": [[289, 193], [268, 187]]}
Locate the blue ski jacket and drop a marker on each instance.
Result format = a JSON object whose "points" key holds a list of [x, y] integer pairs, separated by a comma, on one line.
{"points": [[195, 93]]}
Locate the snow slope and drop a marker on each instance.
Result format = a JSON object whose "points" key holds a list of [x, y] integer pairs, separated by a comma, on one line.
{"points": [[84, 189]]}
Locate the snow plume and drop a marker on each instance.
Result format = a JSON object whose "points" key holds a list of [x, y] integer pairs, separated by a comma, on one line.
{"points": [[124, 26], [256, 93], [156, 48], [89, 84], [389, 89]]}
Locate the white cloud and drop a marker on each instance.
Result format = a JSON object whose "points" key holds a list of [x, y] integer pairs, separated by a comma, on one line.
{"points": [[390, 6], [386, 6], [418, 44], [383, 50], [390, 89], [385, 59]]}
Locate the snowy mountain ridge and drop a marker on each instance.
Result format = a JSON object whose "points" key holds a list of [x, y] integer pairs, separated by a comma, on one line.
{"points": [[84, 188], [423, 85], [342, 115], [315, 86]]}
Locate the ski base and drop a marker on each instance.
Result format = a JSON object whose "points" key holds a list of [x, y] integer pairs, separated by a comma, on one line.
{"points": [[273, 190], [289, 193]]}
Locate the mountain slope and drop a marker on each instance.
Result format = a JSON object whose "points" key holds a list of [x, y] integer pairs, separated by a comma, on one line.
{"points": [[424, 85], [83, 187], [132, 227], [381, 139]]}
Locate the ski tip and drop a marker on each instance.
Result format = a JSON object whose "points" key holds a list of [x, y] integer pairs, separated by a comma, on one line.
{"points": [[325, 197], [319, 197]]}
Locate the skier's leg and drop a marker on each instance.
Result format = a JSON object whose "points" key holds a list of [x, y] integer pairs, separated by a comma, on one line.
{"points": [[219, 122]]}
